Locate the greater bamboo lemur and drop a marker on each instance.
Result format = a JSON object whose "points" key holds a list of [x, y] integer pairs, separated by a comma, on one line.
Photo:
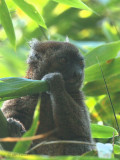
{"points": [[62, 107]]}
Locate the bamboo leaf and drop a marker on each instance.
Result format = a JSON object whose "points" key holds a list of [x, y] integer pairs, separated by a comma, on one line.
{"points": [[17, 156], [7, 22], [22, 147], [100, 131], [110, 68], [75, 4], [31, 11], [16, 87], [117, 149], [104, 53]]}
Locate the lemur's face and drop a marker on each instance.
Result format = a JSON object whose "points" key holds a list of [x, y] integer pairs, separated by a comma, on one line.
{"points": [[60, 57]]}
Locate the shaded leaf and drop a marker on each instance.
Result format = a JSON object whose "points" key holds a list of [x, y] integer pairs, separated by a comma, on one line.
{"points": [[16, 87], [22, 147], [90, 153], [96, 88]]}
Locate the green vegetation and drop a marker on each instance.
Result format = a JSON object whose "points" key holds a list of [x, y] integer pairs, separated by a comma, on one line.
{"points": [[93, 26]]}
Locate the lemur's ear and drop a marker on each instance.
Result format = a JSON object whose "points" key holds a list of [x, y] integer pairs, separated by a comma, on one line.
{"points": [[35, 44], [40, 47]]}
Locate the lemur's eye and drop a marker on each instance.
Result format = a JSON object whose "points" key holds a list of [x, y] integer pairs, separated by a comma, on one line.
{"points": [[81, 62], [38, 56]]}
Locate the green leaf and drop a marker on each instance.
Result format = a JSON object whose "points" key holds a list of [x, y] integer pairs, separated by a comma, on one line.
{"points": [[103, 107], [96, 88], [110, 31], [18, 156], [75, 4], [16, 87], [100, 131], [22, 147], [116, 149], [110, 68], [30, 10], [104, 53], [7, 22]]}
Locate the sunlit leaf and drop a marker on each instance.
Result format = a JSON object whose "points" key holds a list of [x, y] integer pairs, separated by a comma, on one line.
{"points": [[100, 131], [18, 156], [110, 68], [12, 63], [116, 149], [104, 53], [31, 11], [103, 107], [7, 22], [110, 31], [96, 88], [75, 4]]}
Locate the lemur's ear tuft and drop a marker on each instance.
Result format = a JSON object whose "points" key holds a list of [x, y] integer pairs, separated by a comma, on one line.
{"points": [[35, 53], [34, 44]]}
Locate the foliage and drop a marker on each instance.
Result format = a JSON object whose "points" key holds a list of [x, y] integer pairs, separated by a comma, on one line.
{"points": [[21, 147], [17, 87], [93, 26], [15, 156], [7, 22]]}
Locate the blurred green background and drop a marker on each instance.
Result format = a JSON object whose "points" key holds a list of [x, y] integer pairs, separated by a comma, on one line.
{"points": [[85, 29]]}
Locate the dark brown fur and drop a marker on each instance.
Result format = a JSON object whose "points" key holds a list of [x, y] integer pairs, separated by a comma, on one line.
{"points": [[62, 107]]}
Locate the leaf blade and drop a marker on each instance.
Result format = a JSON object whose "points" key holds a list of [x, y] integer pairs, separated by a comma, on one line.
{"points": [[104, 52], [96, 88], [7, 22], [75, 4], [22, 147], [100, 131], [13, 87], [110, 68], [31, 11]]}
